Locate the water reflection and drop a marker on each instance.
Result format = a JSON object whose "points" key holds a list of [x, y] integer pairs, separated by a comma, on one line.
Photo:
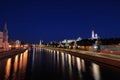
{"points": [[16, 64], [57, 51], [33, 58], [83, 65], [7, 71], [79, 66], [54, 58], [20, 62], [58, 60], [25, 58], [54, 51], [51, 64], [70, 66], [73, 60], [15, 67], [68, 62], [63, 63], [96, 71]]}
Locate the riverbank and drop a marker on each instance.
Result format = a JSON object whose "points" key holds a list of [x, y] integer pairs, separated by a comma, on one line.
{"points": [[110, 52], [11, 53], [110, 59]]}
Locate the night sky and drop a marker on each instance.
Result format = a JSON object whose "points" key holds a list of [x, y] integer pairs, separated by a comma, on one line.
{"points": [[48, 20]]}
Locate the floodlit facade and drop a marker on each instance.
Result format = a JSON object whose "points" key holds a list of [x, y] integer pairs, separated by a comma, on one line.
{"points": [[94, 35], [4, 45], [68, 41], [1, 39], [71, 40]]}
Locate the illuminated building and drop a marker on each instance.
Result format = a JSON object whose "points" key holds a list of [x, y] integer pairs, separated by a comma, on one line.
{"points": [[4, 45], [71, 40], [15, 44], [1, 39], [94, 35], [67, 42]]}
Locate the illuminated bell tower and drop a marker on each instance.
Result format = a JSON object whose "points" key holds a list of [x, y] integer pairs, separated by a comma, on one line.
{"points": [[93, 34], [5, 38]]}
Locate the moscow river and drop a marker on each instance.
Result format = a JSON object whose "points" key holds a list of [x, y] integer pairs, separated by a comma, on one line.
{"points": [[42, 64]]}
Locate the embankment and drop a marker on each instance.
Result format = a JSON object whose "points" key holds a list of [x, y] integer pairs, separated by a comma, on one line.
{"points": [[95, 58], [11, 53]]}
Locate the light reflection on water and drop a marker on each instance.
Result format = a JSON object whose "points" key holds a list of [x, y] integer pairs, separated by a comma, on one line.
{"points": [[55, 65], [96, 71], [70, 65], [15, 67], [15, 64], [7, 71], [20, 63], [33, 58], [79, 66], [83, 65], [25, 59], [69, 62], [63, 64], [58, 60], [73, 60]]}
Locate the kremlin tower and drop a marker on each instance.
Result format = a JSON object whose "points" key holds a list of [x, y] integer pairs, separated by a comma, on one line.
{"points": [[5, 38]]}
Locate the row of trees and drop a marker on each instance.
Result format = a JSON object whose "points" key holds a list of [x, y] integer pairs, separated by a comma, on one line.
{"points": [[90, 42], [110, 41]]}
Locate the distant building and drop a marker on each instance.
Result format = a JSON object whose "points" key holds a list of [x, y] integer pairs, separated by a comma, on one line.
{"points": [[41, 43], [18, 43], [94, 35], [4, 45], [71, 40], [15, 44], [68, 40], [79, 39]]}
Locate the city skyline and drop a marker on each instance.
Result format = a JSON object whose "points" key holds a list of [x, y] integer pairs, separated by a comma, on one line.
{"points": [[31, 21]]}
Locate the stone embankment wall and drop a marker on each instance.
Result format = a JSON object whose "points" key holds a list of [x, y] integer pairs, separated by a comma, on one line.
{"points": [[110, 49], [10, 53], [94, 58]]}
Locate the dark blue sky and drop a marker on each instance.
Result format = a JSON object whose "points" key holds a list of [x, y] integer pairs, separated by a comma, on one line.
{"points": [[34, 20]]}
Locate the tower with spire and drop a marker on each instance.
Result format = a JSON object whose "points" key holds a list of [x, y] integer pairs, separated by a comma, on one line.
{"points": [[94, 35], [5, 33], [5, 38]]}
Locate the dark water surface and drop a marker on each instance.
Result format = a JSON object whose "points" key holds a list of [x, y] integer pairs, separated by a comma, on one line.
{"points": [[41, 64]]}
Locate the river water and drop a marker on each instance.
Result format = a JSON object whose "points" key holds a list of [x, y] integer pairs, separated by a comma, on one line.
{"points": [[42, 64]]}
